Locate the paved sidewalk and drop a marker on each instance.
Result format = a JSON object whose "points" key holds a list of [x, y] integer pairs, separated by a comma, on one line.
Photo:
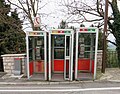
{"points": [[20, 80], [2, 74], [112, 74]]}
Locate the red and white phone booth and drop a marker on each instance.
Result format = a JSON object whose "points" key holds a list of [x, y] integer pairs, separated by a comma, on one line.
{"points": [[36, 42], [61, 54], [86, 53]]}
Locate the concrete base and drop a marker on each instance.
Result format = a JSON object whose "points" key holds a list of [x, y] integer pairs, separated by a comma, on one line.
{"points": [[85, 76]]}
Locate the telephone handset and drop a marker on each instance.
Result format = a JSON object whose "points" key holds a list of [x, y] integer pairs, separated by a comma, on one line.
{"points": [[38, 49], [81, 47], [38, 53]]}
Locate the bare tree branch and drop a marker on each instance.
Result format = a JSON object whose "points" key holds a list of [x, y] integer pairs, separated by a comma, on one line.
{"points": [[23, 8], [29, 9], [14, 4], [98, 9], [29, 14], [77, 10], [43, 6], [37, 7], [26, 27], [33, 7]]}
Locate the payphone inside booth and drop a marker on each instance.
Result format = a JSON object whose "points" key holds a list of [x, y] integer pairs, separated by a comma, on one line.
{"points": [[86, 53], [36, 55], [60, 54]]}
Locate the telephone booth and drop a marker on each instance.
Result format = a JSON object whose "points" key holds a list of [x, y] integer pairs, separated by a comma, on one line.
{"points": [[86, 53], [36, 55], [60, 54]]}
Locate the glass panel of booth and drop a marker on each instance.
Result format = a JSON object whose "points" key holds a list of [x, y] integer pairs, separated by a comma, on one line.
{"points": [[59, 53], [36, 48], [85, 47], [59, 40], [67, 45], [59, 45]]}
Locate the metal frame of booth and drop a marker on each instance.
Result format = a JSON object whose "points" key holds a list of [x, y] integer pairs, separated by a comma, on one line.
{"points": [[67, 61], [90, 63], [36, 51]]}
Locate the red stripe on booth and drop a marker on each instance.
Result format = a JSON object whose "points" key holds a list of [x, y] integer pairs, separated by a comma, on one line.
{"points": [[84, 64], [31, 68], [59, 65]]}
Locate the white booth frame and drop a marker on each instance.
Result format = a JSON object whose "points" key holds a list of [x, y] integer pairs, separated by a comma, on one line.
{"points": [[45, 51], [72, 43], [96, 48]]}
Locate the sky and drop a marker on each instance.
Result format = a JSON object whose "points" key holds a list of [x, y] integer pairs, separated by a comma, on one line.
{"points": [[55, 16], [58, 16]]}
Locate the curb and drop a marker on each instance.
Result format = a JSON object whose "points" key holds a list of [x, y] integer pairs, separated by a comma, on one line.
{"points": [[53, 83], [44, 83], [114, 81]]}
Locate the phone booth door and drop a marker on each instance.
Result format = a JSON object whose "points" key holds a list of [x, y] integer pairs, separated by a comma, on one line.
{"points": [[86, 53], [67, 60], [60, 54], [36, 55]]}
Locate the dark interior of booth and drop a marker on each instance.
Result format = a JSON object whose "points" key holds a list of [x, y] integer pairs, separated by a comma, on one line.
{"points": [[86, 56], [36, 57], [57, 57]]}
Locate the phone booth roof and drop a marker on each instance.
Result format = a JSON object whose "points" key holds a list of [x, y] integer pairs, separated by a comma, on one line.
{"points": [[35, 33], [61, 31], [87, 30]]}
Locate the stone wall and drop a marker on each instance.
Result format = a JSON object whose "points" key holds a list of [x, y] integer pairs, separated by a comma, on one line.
{"points": [[8, 62]]}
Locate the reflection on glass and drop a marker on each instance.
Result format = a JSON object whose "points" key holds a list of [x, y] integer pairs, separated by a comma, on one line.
{"points": [[67, 45], [87, 48], [58, 53], [59, 40], [39, 48], [30, 49], [87, 55], [86, 45], [36, 48]]}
